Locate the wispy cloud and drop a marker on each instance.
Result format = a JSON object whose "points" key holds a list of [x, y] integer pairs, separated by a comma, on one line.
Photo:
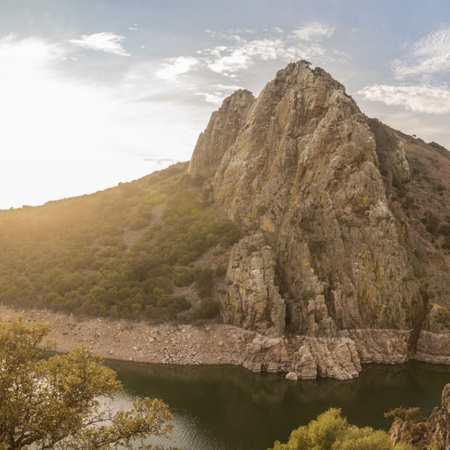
{"points": [[174, 67], [302, 43], [240, 50], [427, 57], [314, 31], [105, 42], [417, 98], [419, 71]]}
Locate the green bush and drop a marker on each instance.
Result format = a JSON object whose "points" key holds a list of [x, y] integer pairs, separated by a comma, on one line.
{"points": [[431, 223], [413, 415], [205, 283], [446, 243], [331, 431]]}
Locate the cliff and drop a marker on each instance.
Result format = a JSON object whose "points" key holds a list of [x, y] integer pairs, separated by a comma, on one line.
{"points": [[338, 263]]}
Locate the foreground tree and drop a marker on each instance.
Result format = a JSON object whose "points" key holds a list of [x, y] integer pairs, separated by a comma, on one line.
{"points": [[331, 431], [61, 402]]}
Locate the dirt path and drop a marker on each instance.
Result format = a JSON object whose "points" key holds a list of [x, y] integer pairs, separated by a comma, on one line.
{"points": [[139, 341]]}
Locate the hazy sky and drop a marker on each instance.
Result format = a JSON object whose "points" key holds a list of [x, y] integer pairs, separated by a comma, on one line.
{"points": [[97, 92]]}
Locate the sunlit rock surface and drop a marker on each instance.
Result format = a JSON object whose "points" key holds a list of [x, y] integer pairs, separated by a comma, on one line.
{"points": [[331, 257]]}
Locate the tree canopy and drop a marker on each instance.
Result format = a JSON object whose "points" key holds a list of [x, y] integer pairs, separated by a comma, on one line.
{"points": [[60, 402], [331, 431]]}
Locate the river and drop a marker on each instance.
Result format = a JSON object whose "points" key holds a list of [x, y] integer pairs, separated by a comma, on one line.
{"points": [[230, 408]]}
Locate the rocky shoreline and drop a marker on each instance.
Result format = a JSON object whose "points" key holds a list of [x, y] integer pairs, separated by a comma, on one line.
{"points": [[138, 341], [301, 357]]}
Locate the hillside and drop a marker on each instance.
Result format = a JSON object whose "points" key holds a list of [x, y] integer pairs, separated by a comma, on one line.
{"points": [[134, 251], [323, 232]]}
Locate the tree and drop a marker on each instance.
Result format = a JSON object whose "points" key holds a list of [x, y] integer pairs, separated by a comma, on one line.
{"points": [[60, 402], [331, 431]]}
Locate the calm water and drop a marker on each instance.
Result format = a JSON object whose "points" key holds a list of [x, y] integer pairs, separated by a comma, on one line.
{"points": [[230, 408]]}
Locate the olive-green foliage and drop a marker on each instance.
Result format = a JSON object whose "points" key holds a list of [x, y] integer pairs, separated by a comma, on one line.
{"points": [[437, 146], [331, 431], [56, 403], [122, 252], [207, 308], [413, 415], [205, 283], [446, 243], [431, 223], [445, 229]]}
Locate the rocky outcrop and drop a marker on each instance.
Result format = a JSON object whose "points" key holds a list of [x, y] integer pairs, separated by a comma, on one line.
{"points": [[410, 428], [252, 300], [326, 357], [304, 170], [303, 357], [384, 346], [439, 421], [220, 134], [267, 354], [433, 347], [329, 253]]}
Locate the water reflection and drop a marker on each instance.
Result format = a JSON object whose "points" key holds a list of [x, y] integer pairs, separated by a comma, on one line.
{"points": [[230, 408]]}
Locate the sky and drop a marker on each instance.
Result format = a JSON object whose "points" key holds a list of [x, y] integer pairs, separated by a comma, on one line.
{"points": [[98, 92]]}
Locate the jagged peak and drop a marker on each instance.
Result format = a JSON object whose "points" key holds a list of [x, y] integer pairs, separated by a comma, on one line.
{"points": [[300, 74], [241, 95], [220, 133]]}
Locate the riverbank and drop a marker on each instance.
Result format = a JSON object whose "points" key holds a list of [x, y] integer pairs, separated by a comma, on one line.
{"points": [[301, 357], [139, 341]]}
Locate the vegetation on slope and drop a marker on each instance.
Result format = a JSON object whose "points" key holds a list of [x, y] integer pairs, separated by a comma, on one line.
{"points": [[123, 252]]}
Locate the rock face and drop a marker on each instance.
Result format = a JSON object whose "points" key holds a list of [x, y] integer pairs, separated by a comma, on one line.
{"points": [[253, 301], [433, 432], [213, 142], [329, 252], [439, 421]]}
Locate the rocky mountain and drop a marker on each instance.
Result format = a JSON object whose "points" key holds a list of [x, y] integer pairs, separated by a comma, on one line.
{"points": [[320, 234], [340, 255]]}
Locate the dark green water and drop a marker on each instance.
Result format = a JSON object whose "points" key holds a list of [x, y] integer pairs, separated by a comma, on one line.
{"points": [[218, 408]]}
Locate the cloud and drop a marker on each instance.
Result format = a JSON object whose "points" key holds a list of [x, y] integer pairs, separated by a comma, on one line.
{"points": [[240, 50], [313, 32], [417, 98], [302, 43], [174, 67], [425, 60], [105, 42], [427, 57]]}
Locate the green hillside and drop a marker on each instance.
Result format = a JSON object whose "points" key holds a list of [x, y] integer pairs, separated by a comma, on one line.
{"points": [[127, 252]]}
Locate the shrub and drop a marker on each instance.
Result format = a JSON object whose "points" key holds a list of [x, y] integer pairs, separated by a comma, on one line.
{"points": [[205, 283], [207, 308], [331, 431]]}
